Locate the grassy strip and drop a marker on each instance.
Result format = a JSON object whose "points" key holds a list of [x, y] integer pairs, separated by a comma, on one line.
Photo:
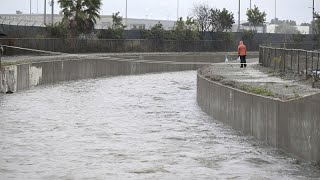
{"points": [[255, 90]]}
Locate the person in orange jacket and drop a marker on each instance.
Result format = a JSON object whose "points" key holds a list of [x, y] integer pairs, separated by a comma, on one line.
{"points": [[242, 52]]}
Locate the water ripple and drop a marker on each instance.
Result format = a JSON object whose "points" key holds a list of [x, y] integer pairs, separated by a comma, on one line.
{"points": [[129, 127]]}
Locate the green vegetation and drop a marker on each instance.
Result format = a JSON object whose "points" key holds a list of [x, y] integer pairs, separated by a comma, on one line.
{"points": [[80, 16], [183, 31], [116, 30], [57, 30], [210, 19], [256, 17], [256, 90], [157, 32], [221, 21], [277, 59], [296, 94], [248, 36], [285, 26], [298, 38], [201, 13], [186, 30], [270, 71], [286, 29]]}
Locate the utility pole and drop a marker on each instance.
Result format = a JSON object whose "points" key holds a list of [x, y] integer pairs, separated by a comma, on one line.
{"points": [[312, 22], [239, 18], [275, 10], [37, 6], [52, 11], [177, 9], [30, 6], [45, 13], [126, 12], [250, 22]]}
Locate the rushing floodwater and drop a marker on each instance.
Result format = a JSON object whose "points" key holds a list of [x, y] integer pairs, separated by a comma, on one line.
{"points": [[130, 127]]}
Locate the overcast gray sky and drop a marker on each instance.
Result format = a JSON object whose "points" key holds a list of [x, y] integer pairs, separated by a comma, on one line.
{"points": [[299, 10]]}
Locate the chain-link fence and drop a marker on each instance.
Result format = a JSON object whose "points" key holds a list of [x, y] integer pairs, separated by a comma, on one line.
{"points": [[112, 45], [299, 61]]}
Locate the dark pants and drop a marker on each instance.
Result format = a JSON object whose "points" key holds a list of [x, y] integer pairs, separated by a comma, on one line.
{"points": [[243, 61]]}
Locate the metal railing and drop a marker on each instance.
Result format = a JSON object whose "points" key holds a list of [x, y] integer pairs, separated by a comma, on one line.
{"points": [[298, 61], [306, 45]]}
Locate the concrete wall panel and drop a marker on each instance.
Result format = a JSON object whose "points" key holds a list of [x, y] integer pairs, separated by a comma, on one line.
{"points": [[47, 73], [302, 120], [293, 126], [22, 76], [58, 75], [264, 119], [9, 79]]}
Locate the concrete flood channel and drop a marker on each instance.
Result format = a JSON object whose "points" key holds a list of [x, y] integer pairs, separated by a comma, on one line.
{"points": [[126, 127]]}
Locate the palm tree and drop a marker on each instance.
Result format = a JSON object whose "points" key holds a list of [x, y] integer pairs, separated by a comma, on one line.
{"points": [[80, 15]]}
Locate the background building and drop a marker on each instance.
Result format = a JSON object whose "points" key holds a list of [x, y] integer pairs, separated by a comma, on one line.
{"points": [[103, 23]]}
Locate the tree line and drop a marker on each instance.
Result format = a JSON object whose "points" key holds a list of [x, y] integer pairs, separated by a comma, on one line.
{"points": [[80, 17]]}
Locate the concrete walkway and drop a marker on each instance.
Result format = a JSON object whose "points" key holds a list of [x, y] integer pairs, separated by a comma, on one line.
{"points": [[257, 79], [194, 57]]}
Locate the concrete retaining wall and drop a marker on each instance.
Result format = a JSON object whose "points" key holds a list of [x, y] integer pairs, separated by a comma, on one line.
{"points": [[293, 126], [24, 76]]}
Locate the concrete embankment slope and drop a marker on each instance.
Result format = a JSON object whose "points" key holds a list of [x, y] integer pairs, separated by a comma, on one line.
{"points": [[52, 69], [291, 125]]}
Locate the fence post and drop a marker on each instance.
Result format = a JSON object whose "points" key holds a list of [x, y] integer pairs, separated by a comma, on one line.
{"points": [[298, 61], [260, 56], [1, 53], [292, 51], [306, 63], [275, 55], [312, 62], [284, 59], [318, 64], [263, 58], [268, 57]]}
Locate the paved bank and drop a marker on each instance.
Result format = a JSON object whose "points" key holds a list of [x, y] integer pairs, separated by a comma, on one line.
{"points": [[164, 56], [282, 113], [257, 80]]}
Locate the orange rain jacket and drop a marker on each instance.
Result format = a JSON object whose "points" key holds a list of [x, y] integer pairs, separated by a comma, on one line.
{"points": [[242, 49]]}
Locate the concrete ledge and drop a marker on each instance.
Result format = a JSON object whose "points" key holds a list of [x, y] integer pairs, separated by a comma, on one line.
{"points": [[23, 76], [292, 126]]}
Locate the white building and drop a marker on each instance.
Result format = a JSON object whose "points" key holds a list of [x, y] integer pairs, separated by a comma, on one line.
{"points": [[271, 28], [104, 22], [244, 25]]}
